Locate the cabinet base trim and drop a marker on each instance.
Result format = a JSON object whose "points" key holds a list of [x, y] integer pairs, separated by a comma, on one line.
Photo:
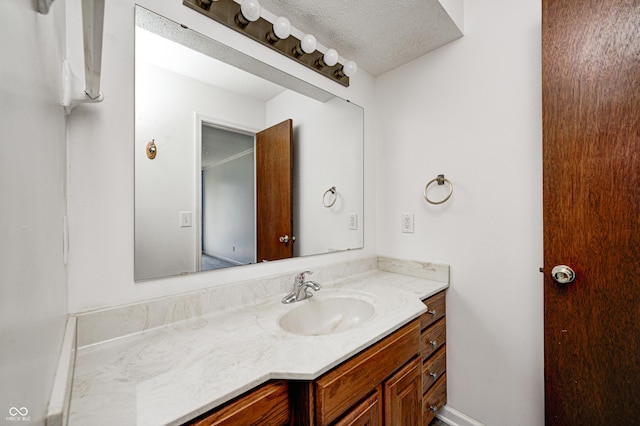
{"points": [[454, 417]]}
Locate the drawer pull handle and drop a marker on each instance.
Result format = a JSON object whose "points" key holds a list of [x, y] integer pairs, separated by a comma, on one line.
{"points": [[433, 408], [432, 312], [434, 375], [433, 343]]}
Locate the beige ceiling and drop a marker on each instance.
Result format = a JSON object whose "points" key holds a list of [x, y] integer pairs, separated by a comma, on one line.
{"points": [[378, 35]]}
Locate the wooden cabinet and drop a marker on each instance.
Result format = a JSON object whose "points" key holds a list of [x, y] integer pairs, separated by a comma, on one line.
{"points": [[266, 405], [433, 338], [339, 389], [414, 387]]}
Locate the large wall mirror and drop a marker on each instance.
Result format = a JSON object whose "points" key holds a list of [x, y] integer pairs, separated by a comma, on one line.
{"points": [[236, 162]]}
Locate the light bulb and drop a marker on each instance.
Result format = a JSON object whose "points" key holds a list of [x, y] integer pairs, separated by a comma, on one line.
{"points": [[330, 57], [308, 43], [350, 68], [282, 28], [250, 9]]}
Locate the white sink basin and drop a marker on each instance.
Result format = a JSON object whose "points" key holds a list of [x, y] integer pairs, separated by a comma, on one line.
{"points": [[329, 315]]}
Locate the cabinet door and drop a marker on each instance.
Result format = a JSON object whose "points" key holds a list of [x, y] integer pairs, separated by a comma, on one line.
{"points": [[367, 413], [403, 395]]}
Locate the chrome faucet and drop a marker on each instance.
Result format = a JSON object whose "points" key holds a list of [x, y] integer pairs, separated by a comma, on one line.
{"points": [[300, 288]]}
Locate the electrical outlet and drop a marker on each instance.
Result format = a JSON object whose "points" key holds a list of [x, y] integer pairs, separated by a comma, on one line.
{"points": [[407, 223], [353, 221]]}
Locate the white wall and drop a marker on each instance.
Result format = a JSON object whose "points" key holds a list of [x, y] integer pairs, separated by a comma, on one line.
{"points": [[165, 186], [472, 110], [33, 292], [100, 188]]}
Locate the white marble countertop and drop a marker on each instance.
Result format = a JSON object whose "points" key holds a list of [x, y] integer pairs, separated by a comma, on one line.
{"points": [[171, 374]]}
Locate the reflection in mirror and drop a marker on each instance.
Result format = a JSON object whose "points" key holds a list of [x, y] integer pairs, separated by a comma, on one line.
{"points": [[237, 144]]}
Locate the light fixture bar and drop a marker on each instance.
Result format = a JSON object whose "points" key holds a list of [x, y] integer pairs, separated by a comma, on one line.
{"points": [[225, 12]]}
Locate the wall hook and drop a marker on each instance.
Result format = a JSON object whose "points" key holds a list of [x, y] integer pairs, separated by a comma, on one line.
{"points": [[151, 149]]}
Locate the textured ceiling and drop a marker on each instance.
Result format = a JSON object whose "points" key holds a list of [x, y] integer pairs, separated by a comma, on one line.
{"points": [[378, 35]]}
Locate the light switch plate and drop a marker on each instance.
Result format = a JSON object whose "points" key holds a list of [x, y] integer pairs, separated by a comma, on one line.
{"points": [[185, 219]]}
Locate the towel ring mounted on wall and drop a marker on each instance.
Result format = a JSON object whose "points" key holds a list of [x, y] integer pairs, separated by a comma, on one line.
{"points": [[441, 180], [332, 198]]}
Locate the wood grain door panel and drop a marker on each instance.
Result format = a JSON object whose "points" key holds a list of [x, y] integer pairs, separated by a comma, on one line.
{"points": [[274, 189], [403, 395], [591, 145]]}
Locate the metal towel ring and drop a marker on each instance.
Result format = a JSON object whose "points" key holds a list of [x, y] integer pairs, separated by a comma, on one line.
{"points": [[332, 200], [441, 181]]}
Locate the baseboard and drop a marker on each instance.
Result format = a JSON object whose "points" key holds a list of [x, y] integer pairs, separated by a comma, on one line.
{"points": [[453, 417]]}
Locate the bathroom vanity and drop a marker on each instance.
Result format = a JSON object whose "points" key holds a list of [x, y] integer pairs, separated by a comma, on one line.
{"points": [[240, 366], [397, 381]]}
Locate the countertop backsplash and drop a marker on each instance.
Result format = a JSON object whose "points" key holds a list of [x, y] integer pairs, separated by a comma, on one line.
{"points": [[114, 322]]}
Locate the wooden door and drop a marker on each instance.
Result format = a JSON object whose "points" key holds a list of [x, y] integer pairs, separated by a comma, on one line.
{"points": [[403, 396], [274, 186], [591, 143]]}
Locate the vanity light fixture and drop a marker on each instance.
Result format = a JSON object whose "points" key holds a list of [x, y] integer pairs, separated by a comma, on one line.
{"points": [[348, 69], [329, 59], [307, 45], [206, 4], [245, 18], [280, 30], [249, 12]]}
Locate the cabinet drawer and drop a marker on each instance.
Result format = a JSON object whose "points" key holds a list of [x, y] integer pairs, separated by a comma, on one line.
{"points": [[436, 310], [434, 368], [267, 405], [351, 381], [434, 400], [433, 338]]}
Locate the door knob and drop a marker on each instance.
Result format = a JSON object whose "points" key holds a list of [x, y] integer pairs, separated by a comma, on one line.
{"points": [[285, 239], [562, 274]]}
